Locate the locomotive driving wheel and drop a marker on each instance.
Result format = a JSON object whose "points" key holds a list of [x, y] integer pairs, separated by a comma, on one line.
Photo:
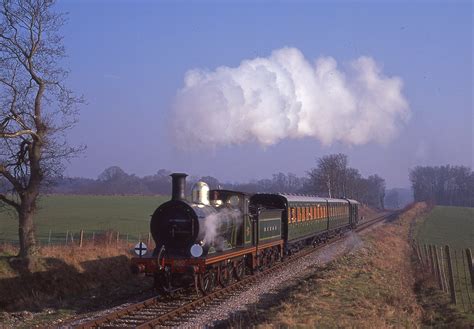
{"points": [[207, 282], [274, 256], [270, 258], [224, 275], [239, 270]]}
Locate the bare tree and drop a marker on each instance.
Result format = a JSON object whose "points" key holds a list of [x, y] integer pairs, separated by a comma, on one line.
{"points": [[35, 108], [444, 185], [330, 175]]}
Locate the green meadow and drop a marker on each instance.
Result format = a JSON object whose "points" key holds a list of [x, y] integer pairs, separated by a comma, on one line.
{"points": [[453, 226], [59, 214]]}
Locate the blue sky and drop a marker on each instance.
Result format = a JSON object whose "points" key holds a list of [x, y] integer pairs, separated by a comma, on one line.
{"points": [[129, 58]]}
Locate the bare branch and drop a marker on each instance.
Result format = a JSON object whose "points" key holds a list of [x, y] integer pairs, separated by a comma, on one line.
{"points": [[9, 202], [12, 179], [19, 133]]}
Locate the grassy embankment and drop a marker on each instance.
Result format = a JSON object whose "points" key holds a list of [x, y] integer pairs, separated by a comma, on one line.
{"points": [[372, 287], [67, 281], [72, 213]]}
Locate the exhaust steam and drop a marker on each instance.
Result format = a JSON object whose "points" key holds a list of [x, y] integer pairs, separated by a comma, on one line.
{"points": [[283, 96]]}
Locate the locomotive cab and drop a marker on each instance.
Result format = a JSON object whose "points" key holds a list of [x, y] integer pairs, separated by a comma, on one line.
{"points": [[233, 207]]}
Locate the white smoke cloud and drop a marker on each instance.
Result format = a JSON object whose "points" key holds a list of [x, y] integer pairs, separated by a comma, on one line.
{"points": [[285, 96]]}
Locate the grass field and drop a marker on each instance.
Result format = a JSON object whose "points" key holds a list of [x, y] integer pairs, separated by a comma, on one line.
{"points": [[62, 213], [453, 226]]}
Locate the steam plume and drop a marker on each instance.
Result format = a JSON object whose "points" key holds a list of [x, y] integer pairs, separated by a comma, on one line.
{"points": [[217, 224], [285, 96]]}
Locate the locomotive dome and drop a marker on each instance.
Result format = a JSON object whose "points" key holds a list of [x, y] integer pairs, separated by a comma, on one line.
{"points": [[200, 193]]}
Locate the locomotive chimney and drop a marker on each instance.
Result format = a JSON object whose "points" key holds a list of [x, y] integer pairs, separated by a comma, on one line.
{"points": [[179, 186]]}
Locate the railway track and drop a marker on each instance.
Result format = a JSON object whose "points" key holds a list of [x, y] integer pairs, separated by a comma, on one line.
{"points": [[158, 311]]}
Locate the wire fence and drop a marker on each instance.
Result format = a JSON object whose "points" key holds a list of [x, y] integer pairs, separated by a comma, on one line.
{"points": [[452, 269], [82, 238]]}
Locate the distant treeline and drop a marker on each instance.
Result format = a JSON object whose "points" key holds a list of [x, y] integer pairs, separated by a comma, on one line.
{"points": [[444, 185], [331, 178]]}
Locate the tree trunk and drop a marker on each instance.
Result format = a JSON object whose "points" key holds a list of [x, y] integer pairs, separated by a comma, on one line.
{"points": [[28, 248], [328, 184]]}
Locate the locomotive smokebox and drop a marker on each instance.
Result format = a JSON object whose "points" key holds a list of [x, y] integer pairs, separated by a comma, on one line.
{"points": [[179, 186]]}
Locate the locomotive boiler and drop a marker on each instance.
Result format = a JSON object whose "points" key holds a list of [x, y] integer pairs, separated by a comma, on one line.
{"points": [[195, 228]]}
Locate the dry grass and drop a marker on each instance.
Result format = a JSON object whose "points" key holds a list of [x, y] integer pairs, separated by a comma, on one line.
{"points": [[68, 277], [367, 213], [370, 288]]}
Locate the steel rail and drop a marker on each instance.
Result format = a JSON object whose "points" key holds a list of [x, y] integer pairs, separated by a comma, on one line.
{"points": [[175, 312]]}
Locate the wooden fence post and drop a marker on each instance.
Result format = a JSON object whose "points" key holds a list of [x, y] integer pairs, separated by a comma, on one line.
{"points": [[421, 254], [427, 257], [469, 265], [67, 233], [80, 238], [452, 288], [458, 279], [415, 250], [49, 238], [415, 247], [438, 270], [443, 271], [465, 270], [430, 249]]}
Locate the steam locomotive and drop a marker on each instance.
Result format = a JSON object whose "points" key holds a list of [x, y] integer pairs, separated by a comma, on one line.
{"points": [[222, 235]]}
